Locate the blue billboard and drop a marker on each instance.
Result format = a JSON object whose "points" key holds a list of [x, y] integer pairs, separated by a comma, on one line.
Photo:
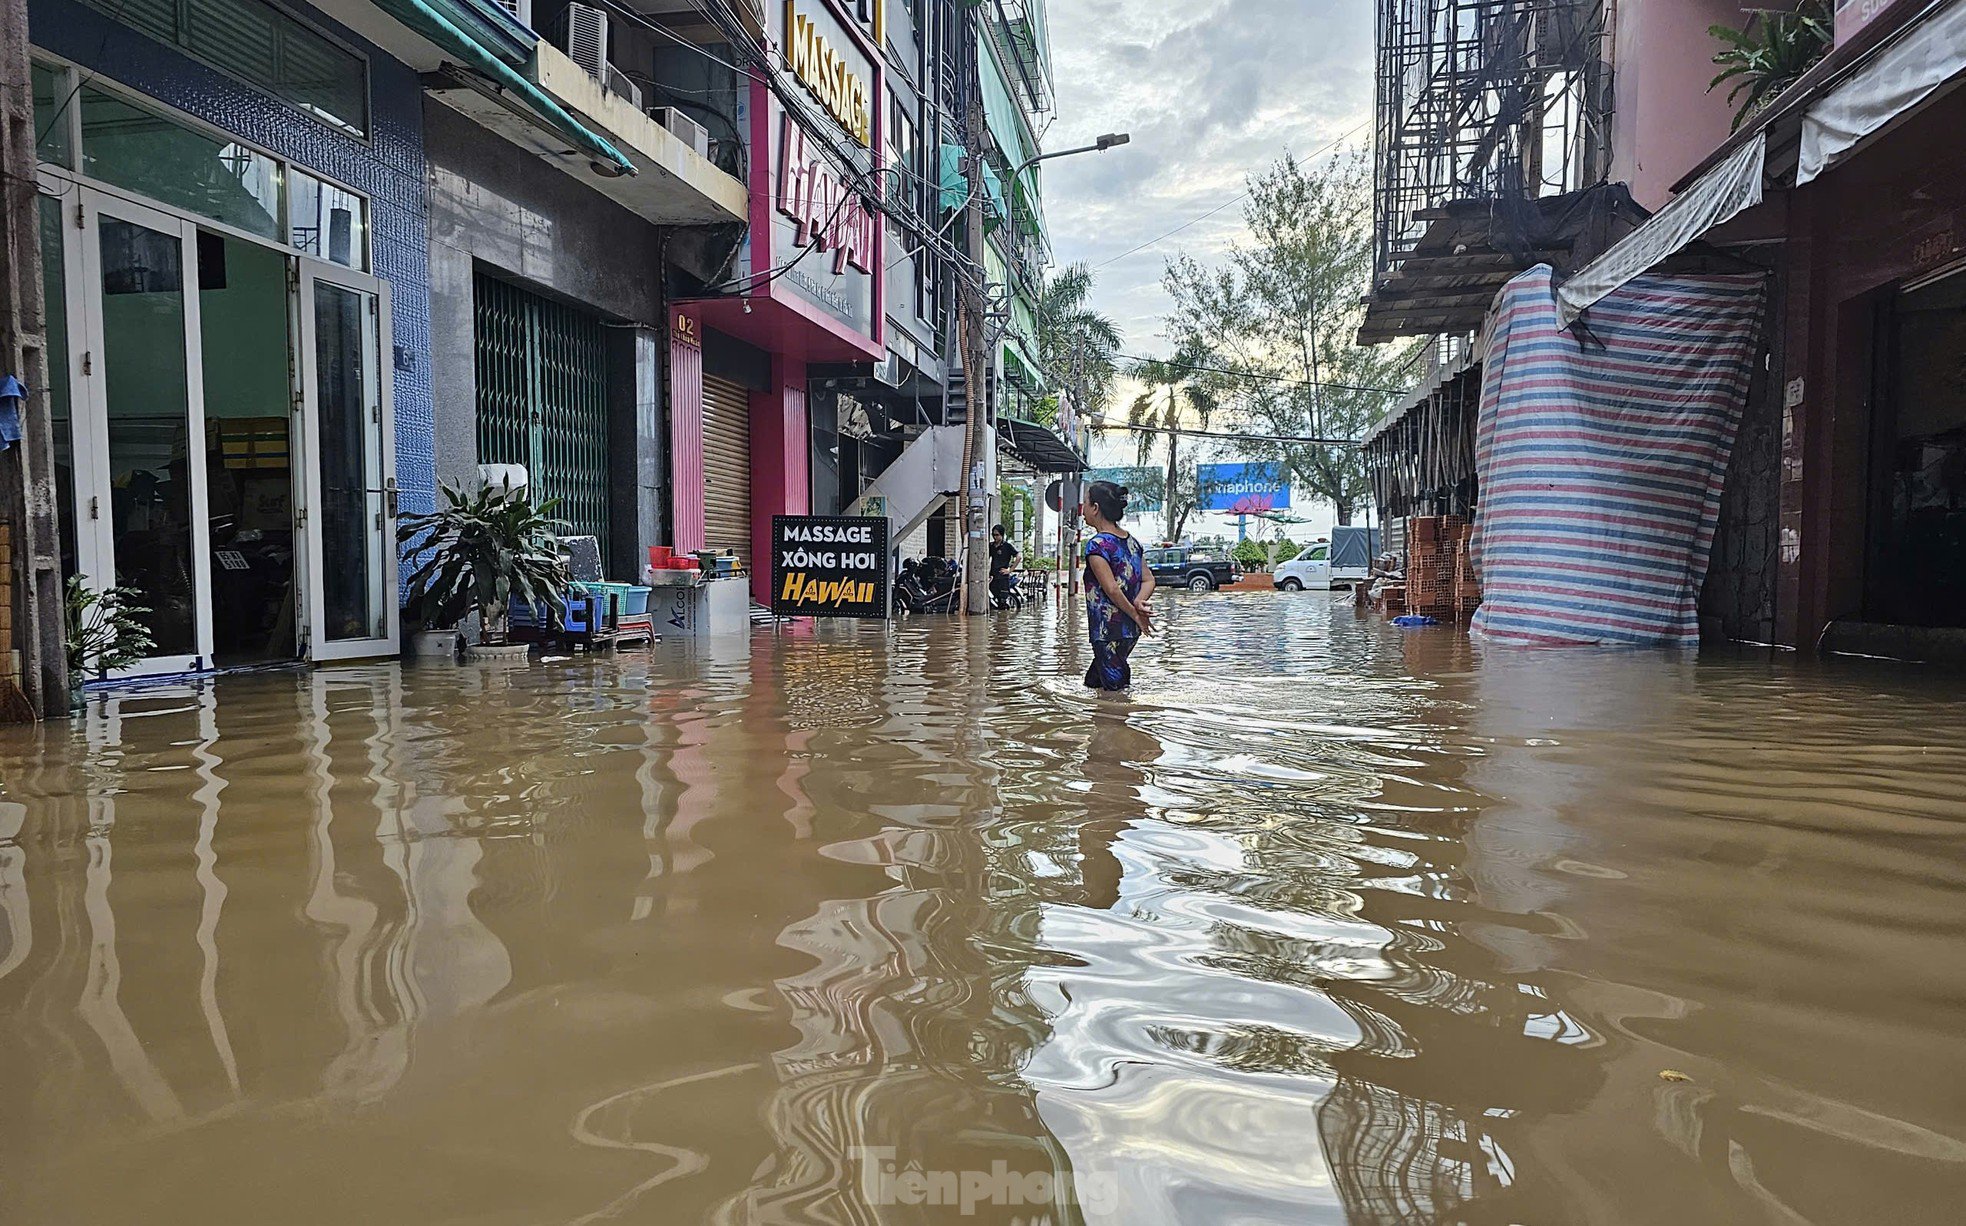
{"points": [[1244, 489]]}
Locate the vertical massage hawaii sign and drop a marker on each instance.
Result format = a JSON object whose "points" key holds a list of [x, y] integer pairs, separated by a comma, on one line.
{"points": [[812, 187]]}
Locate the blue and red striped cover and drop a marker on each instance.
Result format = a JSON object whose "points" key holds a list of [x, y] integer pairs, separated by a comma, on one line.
{"points": [[1600, 455]]}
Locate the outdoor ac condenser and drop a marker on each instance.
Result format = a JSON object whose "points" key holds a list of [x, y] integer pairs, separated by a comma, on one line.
{"points": [[683, 128], [619, 84], [587, 39], [521, 10]]}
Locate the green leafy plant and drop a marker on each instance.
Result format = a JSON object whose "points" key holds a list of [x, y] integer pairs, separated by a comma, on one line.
{"points": [[105, 630], [1252, 554], [1767, 54], [1077, 346], [478, 551]]}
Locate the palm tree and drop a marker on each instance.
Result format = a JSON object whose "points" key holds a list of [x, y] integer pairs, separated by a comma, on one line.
{"points": [[1077, 345], [1178, 392]]}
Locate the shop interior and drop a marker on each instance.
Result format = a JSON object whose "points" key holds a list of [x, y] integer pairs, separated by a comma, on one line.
{"points": [[1917, 572], [249, 472], [243, 304]]}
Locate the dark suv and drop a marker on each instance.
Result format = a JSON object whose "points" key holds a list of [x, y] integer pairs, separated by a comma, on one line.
{"points": [[1182, 567]]}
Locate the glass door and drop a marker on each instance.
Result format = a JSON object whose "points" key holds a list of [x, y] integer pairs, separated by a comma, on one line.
{"points": [[139, 424], [348, 459]]}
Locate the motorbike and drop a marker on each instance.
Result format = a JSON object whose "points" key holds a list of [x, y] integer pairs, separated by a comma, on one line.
{"points": [[1007, 591], [930, 585]]}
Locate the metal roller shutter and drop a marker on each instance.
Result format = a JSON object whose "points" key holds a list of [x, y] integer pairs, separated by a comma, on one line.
{"points": [[727, 467], [542, 398]]}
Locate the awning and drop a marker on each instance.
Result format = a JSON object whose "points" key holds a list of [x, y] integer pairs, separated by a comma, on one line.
{"points": [[1717, 195], [1900, 78], [1001, 114], [1038, 446], [1018, 368], [492, 26], [419, 16]]}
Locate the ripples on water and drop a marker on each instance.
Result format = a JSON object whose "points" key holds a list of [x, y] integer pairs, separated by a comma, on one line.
{"points": [[1323, 923]]}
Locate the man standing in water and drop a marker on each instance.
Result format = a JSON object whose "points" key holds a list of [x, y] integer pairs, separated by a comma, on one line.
{"points": [[1003, 555], [1118, 585]]}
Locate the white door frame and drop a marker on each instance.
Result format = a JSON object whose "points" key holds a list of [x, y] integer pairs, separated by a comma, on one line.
{"points": [[89, 413], [382, 536]]}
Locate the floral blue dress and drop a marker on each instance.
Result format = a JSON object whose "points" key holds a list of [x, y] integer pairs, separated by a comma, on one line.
{"points": [[1112, 632]]}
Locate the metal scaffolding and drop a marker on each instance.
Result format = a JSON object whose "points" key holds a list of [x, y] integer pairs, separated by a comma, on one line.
{"points": [[1497, 100]]}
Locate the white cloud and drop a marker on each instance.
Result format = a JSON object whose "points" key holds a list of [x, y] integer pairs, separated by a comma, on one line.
{"points": [[1210, 91]]}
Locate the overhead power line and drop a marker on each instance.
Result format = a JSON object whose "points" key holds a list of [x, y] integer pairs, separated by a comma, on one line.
{"points": [[1193, 221], [1250, 374], [1184, 432]]}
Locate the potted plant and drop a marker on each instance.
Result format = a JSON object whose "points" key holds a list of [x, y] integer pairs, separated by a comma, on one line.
{"points": [[105, 633], [477, 552], [1769, 53]]}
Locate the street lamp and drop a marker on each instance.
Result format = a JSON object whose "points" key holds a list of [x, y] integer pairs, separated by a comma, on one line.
{"points": [[977, 430], [1099, 145]]}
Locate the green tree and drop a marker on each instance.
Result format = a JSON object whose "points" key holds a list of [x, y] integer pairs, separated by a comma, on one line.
{"points": [[1285, 307], [1180, 393], [1011, 496], [1077, 346]]}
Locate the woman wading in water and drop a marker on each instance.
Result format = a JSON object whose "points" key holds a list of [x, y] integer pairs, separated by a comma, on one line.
{"points": [[1118, 585]]}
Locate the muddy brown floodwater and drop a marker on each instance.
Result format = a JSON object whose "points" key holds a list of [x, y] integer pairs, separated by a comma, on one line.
{"points": [[1326, 922]]}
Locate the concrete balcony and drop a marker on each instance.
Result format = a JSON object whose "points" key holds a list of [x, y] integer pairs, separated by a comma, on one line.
{"points": [[671, 183]]}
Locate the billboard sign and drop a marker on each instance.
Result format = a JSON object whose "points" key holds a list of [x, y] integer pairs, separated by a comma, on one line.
{"points": [[829, 566], [1244, 489]]}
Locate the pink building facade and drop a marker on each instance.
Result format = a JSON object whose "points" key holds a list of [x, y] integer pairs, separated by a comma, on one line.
{"points": [[1663, 120], [808, 286]]}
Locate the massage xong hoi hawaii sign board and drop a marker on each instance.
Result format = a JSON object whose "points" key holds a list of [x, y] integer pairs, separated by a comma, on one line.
{"points": [[829, 566]]}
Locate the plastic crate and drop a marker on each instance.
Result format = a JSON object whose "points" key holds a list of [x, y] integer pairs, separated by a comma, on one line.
{"points": [[629, 598]]}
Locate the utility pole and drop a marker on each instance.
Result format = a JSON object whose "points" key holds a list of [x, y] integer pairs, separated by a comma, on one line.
{"points": [[27, 487], [972, 308]]}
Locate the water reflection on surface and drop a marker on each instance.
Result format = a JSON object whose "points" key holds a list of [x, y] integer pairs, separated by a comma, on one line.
{"points": [[1362, 927]]}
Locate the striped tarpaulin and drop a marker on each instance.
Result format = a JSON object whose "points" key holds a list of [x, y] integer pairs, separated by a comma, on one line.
{"points": [[1600, 454]]}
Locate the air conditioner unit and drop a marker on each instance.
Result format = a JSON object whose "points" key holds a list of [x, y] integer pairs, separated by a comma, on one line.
{"points": [[683, 128], [521, 10], [587, 39], [618, 83]]}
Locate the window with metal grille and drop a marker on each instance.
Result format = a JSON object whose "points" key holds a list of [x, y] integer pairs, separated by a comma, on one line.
{"points": [[543, 398], [264, 46]]}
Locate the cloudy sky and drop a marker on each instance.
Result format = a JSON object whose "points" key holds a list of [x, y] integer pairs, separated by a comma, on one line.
{"points": [[1210, 90]]}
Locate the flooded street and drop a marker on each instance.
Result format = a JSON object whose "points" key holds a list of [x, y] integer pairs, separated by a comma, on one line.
{"points": [[1323, 923]]}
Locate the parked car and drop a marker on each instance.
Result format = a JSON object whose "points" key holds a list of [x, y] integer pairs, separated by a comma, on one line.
{"points": [[1183, 567], [1309, 569]]}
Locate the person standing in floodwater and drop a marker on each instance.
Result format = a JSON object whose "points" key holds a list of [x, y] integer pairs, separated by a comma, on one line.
{"points": [[1118, 585]]}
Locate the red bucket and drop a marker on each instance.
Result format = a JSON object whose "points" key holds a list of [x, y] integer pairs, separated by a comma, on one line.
{"points": [[659, 556]]}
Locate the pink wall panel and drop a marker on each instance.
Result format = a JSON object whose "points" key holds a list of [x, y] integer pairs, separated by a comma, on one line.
{"points": [[781, 463], [1664, 120], [686, 433]]}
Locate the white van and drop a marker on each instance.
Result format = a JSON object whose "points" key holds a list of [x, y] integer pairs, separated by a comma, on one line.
{"points": [[1309, 569]]}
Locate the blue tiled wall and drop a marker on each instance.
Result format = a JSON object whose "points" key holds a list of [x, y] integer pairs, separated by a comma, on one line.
{"points": [[388, 168]]}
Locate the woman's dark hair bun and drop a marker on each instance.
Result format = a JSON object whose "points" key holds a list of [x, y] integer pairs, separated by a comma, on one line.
{"points": [[1108, 497]]}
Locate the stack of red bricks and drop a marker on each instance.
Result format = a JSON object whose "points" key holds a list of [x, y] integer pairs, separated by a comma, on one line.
{"points": [[1467, 588], [7, 656], [1439, 582]]}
